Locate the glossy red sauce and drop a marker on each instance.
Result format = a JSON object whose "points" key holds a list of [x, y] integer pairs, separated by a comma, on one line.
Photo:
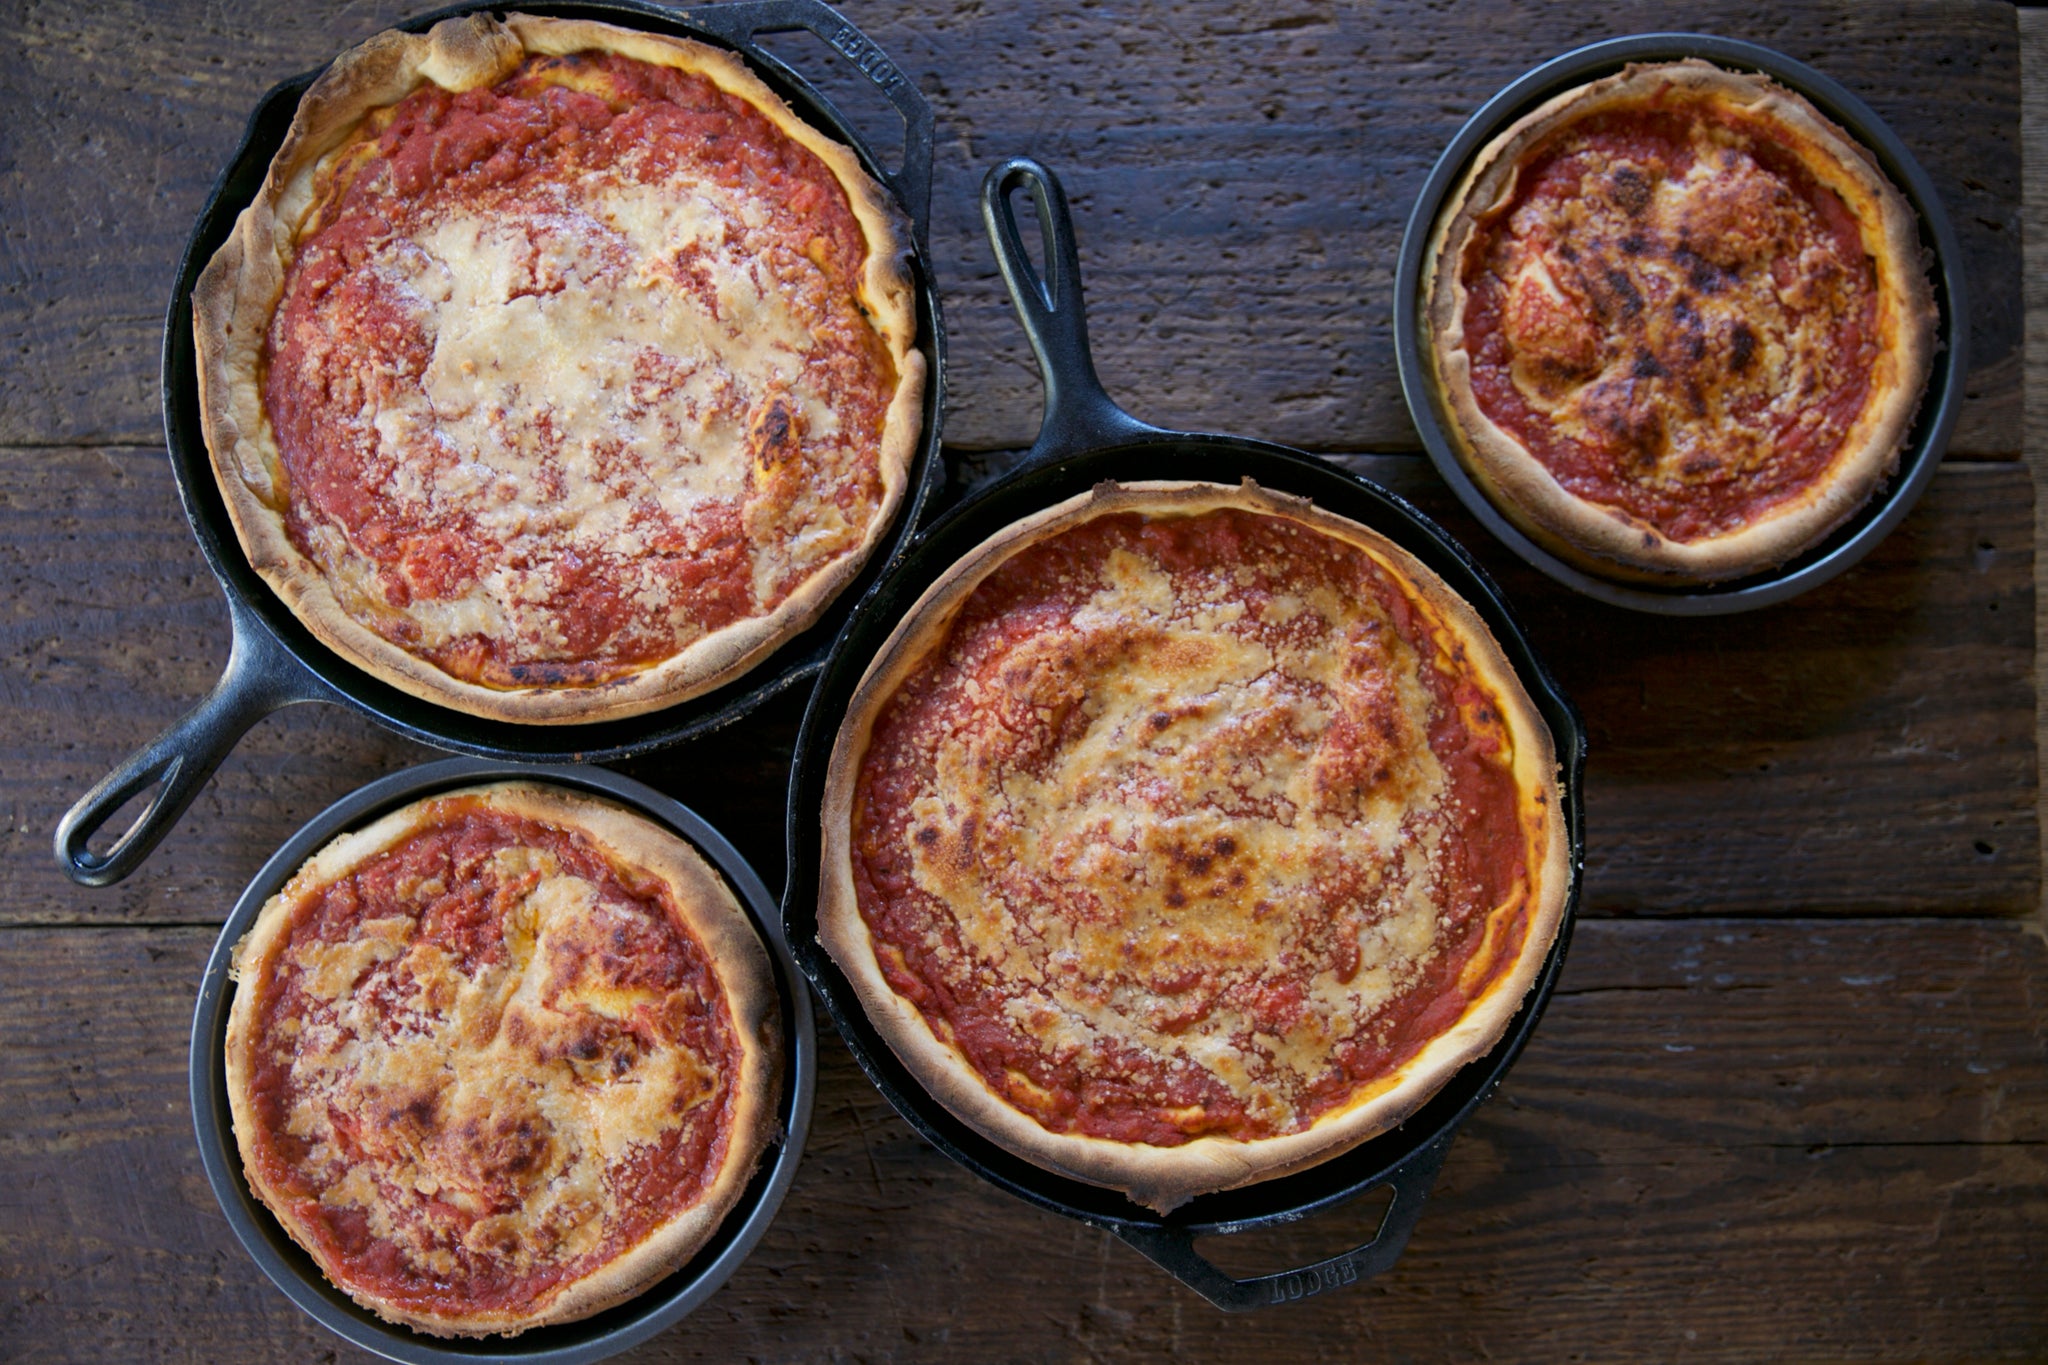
{"points": [[1644, 312], [654, 1182], [346, 338], [1116, 1091]]}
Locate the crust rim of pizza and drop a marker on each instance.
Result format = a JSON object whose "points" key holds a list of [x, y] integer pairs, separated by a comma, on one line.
{"points": [[235, 296], [1608, 540], [713, 916], [1163, 1177]]}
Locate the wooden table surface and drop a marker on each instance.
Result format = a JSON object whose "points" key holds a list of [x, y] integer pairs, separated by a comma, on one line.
{"points": [[1791, 1097]]}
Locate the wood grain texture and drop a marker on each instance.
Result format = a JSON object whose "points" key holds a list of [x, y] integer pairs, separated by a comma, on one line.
{"points": [[1867, 747], [1240, 181], [2033, 27], [1670, 1170]]}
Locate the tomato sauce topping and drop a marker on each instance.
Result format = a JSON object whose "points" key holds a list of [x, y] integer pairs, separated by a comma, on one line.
{"points": [[1672, 315], [1192, 825], [572, 370], [489, 1060]]}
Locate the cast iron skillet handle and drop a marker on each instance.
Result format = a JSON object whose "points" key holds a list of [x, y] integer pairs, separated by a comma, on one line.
{"points": [[1079, 414], [260, 678], [1173, 1249], [738, 21]]}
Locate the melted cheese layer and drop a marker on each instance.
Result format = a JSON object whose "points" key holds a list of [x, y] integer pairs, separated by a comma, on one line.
{"points": [[1673, 316], [1184, 828], [486, 1067], [558, 389]]}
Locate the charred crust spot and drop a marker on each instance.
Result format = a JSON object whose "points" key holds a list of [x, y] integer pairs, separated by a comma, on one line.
{"points": [[1741, 347], [1225, 846], [1160, 720], [550, 673], [1175, 897], [1566, 251], [1632, 245], [774, 432], [926, 835], [418, 1112], [1701, 274], [1646, 366], [1626, 293], [1631, 191]]}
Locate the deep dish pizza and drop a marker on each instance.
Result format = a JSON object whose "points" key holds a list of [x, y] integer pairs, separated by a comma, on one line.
{"points": [[1186, 835], [1680, 323], [503, 1058], [558, 372]]}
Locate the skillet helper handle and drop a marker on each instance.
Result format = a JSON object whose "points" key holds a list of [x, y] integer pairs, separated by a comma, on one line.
{"points": [[1079, 414], [1173, 1249], [260, 678], [740, 21]]}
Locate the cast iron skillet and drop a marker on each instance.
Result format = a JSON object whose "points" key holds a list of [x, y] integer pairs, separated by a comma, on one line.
{"points": [[575, 1343], [1085, 439], [275, 661], [1924, 445]]}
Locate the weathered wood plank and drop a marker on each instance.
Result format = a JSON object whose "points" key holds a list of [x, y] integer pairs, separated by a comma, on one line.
{"points": [[1241, 184], [1868, 747], [1727, 1140], [2033, 27]]}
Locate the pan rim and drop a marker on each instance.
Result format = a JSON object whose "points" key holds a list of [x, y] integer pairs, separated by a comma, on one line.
{"points": [[1928, 439], [576, 1343]]}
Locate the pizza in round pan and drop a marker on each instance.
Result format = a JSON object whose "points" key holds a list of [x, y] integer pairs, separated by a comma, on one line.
{"points": [[558, 372], [1680, 323], [503, 1058], [1185, 835]]}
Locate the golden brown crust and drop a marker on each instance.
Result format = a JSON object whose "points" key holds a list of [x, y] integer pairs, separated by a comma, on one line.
{"points": [[1609, 540], [713, 917], [235, 297], [1163, 1177]]}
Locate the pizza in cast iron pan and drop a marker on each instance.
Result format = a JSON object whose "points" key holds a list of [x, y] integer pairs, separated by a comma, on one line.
{"points": [[1184, 835], [1680, 323], [502, 1058], [558, 372]]}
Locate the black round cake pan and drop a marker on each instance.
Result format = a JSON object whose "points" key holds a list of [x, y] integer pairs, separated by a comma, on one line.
{"points": [[1922, 452], [575, 1343], [276, 662]]}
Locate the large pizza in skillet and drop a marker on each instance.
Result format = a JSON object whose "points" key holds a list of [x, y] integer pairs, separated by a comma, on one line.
{"points": [[503, 1058], [1680, 322], [1186, 835], [558, 372]]}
